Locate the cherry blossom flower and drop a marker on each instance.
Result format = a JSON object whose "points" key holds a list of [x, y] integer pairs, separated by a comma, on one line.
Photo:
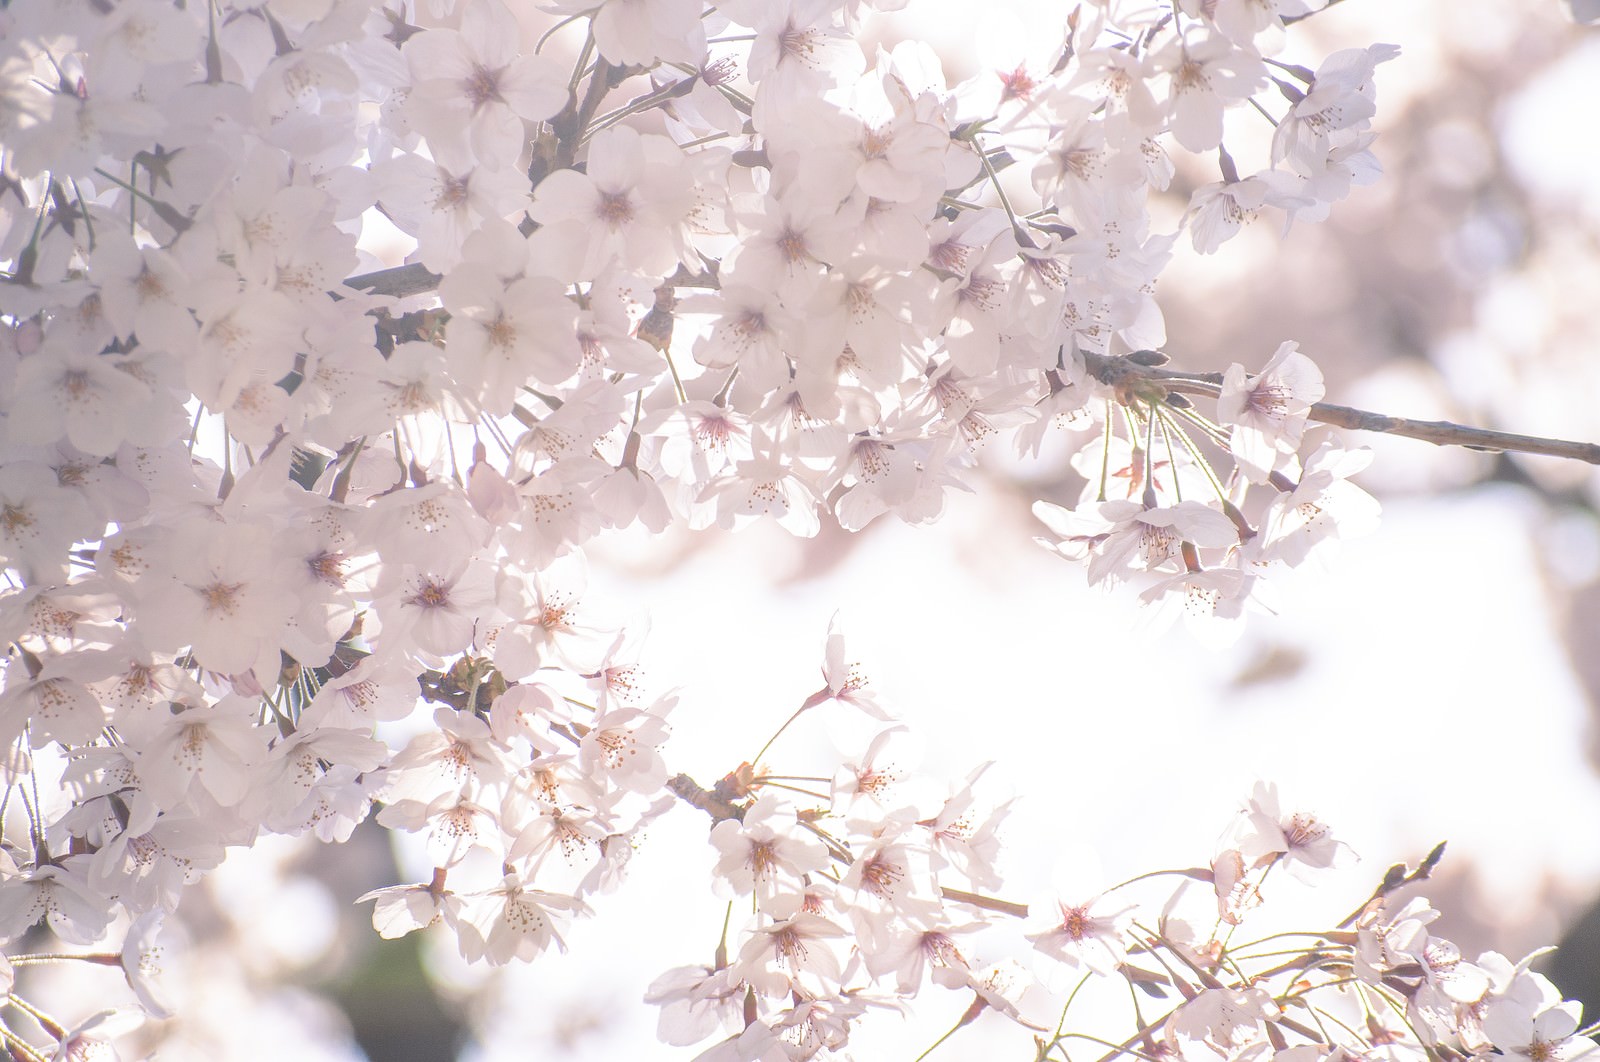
{"points": [[891, 879], [1528, 1018], [1087, 935], [764, 486], [964, 839], [641, 32], [1303, 842], [461, 753], [1218, 211], [1219, 1022], [226, 597], [765, 853], [632, 202], [431, 525], [550, 622], [509, 921], [799, 48], [623, 746], [59, 894], [881, 780], [1120, 536], [403, 909], [474, 87], [433, 614], [142, 955], [1208, 73], [505, 335], [792, 954], [1336, 108], [215, 748], [39, 520], [1323, 508], [70, 390], [914, 954], [696, 1002], [1268, 411], [845, 682]]}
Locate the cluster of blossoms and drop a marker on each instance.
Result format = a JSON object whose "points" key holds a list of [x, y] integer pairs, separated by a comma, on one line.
{"points": [[866, 895], [712, 266]]}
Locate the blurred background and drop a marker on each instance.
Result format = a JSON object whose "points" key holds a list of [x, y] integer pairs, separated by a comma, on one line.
{"points": [[1439, 683]]}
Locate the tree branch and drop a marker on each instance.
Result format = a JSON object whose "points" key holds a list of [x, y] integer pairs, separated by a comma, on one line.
{"points": [[1444, 433], [400, 281], [1126, 374], [988, 903], [690, 792]]}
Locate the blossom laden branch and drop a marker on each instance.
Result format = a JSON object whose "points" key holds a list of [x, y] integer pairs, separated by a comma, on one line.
{"points": [[1129, 373]]}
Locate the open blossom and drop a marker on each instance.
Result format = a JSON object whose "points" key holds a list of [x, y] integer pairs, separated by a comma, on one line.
{"points": [[763, 486], [766, 853], [216, 749], [1087, 935], [474, 87], [505, 335], [631, 202], [433, 614], [891, 879], [1268, 411], [67, 389], [793, 953], [1303, 842], [1323, 508], [1211, 601], [1208, 73], [1336, 109], [913, 954], [696, 1002], [509, 921], [1220, 1022], [623, 746], [1217, 212], [402, 909], [846, 682], [881, 780], [1121, 536], [1541, 1030], [59, 894]]}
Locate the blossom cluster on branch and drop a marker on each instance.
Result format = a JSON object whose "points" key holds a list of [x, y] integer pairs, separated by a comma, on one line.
{"points": [[666, 264]]}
